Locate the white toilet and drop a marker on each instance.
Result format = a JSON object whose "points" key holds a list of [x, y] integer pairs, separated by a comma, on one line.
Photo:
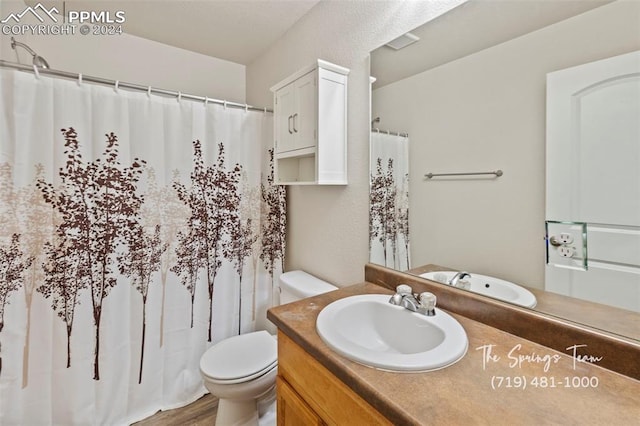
{"points": [[242, 369]]}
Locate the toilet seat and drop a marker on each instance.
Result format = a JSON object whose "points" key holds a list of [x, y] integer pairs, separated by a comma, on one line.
{"points": [[240, 358]]}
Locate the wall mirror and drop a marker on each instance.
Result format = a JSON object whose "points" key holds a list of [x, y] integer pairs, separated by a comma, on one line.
{"points": [[471, 93]]}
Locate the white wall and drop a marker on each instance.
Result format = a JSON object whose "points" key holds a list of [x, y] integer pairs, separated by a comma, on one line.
{"points": [[130, 59], [328, 232], [485, 112]]}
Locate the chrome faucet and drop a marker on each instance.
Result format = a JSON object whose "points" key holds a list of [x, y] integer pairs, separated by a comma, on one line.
{"points": [[424, 304], [457, 277]]}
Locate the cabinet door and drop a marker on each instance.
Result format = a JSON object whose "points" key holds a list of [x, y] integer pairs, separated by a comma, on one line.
{"points": [[285, 108], [292, 410], [304, 118]]}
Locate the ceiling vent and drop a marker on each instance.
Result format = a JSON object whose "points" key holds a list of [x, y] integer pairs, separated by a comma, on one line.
{"points": [[403, 41]]}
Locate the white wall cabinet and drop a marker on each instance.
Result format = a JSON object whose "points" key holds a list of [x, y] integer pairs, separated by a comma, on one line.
{"points": [[310, 130]]}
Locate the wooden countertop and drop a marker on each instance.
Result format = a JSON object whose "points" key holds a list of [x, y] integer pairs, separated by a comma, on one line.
{"points": [[514, 387]]}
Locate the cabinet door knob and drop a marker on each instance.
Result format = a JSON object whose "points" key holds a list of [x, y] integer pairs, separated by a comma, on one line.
{"points": [[294, 122], [289, 124]]}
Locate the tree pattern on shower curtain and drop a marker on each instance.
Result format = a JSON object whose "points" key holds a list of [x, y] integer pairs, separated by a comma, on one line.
{"points": [[140, 263], [403, 215], [17, 259], [99, 205], [388, 211], [14, 264], [275, 221], [163, 207], [383, 225], [213, 199], [91, 228], [188, 261], [244, 235], [37, 230]]}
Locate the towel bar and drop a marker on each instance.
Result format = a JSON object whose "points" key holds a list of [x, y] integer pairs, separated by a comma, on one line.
{"points": [[497, 173]]}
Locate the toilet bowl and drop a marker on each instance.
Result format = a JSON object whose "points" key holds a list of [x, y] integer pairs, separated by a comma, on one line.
{"points": [[242, 369], [239, 370]]}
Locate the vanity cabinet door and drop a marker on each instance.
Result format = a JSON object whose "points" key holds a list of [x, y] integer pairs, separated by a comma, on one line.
{"points": [[326, 397], [292, 410]]}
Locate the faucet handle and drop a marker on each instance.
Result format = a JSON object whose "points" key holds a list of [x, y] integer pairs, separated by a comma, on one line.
{"points": [[428, 299], [428, 303], [403, 289]]}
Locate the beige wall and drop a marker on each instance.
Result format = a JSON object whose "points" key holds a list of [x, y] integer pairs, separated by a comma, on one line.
{"points": [[327, 232], [130, 59], [485, 112]]}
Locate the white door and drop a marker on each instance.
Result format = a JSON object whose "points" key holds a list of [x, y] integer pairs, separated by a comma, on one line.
{"points": [[593, 181]]}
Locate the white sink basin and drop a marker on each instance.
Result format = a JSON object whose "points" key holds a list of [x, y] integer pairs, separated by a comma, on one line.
{"points": [[490, 286], [371, 331]]}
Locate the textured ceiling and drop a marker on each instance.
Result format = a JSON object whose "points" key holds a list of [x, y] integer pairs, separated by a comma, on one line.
{"points": [[234, 30], [471, 27], [242, 30]]}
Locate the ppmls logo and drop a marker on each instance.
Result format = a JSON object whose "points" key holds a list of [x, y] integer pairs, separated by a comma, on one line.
{"points": [[16, 17], [101, 22]]}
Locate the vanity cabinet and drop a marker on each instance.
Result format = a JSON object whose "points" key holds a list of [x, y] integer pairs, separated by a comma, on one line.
{"points": [[292, 409], [310, 394], [310, 126]]}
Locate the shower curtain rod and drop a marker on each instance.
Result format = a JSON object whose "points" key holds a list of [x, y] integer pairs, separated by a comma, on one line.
{"points": [[119, 84], [388, 132]]}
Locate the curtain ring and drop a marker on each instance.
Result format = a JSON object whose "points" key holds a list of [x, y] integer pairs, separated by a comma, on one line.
{"points": [[206, 101], [265, 110], [246, 107], [224, 104], [36, 72], [80, 79], [179, 97], [149, 91], [116, 85]]}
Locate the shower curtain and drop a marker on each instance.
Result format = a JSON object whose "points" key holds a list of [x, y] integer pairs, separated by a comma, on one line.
{"points": [[389, 201], [137, 230]]}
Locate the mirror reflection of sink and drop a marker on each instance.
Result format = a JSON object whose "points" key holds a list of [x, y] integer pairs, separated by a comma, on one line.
{"points": [[371, 331], [489, 286]]}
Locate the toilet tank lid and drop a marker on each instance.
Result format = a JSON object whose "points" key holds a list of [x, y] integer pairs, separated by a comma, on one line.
{"points": [[303, 284]]}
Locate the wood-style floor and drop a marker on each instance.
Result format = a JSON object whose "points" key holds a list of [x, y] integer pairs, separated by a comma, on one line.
{"points": [[200, 413]]}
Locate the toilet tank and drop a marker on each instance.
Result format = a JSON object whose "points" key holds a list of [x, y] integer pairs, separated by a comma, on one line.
{"points": [[296, 285]]}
